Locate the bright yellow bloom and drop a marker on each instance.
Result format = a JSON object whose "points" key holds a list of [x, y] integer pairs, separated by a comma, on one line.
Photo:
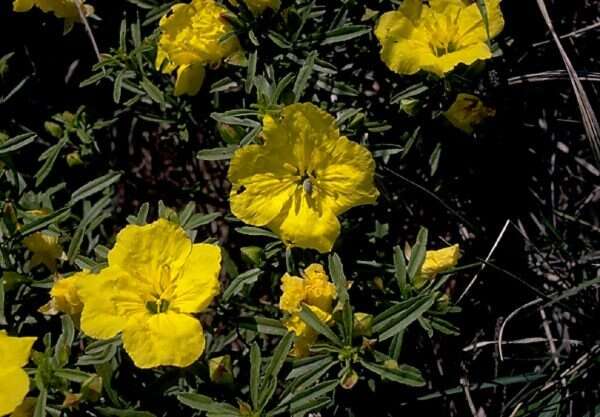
{"points": [[302, 178], [45, 249], [437, 261], [66, 9], [155, 281], [468, 111], [191, 38], [436, 37], [259, 6], [14, 382], [317, 293], [65, 296]]}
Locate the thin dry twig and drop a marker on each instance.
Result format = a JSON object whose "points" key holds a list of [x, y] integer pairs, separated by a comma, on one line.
{"points": [[88, 29], [590, 122], [505, 322]]}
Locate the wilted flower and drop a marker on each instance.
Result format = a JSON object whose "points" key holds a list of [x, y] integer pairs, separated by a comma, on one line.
{"points": [[438, 261], [155, 281], [302, 178], [259, 6], [468, 111], [192, 36], [65, 9], [14, 382], [45, 249], [437, 37], [65, 296], [317, 293]]}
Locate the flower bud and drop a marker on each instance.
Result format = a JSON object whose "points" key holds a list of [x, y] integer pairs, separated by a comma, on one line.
{"points": [[54, 129], [74, 159], [220, 370], [363, 323], [252, 255]]}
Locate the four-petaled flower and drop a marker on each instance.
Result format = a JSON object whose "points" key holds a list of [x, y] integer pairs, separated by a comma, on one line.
{"points": [[14, 382], [437, 37], [192, 36], [156, 279], [315, 292], [302, 177]]}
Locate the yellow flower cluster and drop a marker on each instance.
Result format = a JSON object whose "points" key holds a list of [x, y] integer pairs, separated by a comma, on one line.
{"points": [[438, 36], [192, 37], [65, 9], [14, 382], [302, 177], [467, 111], [317, 293], [156, 279]]}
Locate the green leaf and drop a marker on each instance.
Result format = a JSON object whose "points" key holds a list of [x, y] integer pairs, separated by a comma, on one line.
{"points": [[304, 398], [304, 76], [217, 154], [399, 317], [280, 353], [336, 271], [417, 256], [115, 412], [252, 61], [73, 375], [203, 403], [313, 321], [255, 231], [405, 374], [245, 278], [345, 33], [50, 158], [2, 294], [17, 142], [255, 362], [263, 325], [444, 326], [200, 219], [153, 91], [95, 186], [40, 404], [400, 269], [43, 222]]}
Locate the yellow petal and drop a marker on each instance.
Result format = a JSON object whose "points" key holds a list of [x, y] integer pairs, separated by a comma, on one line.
{"points": [[437, 261], [307, 223], [320, 292], [163, 339], [14, 385], [189, 79], [256, 173], [22, 5], [348, 178], [45, 249], [100, 318], [198, 282], [14, 351], [293, 293], [472, 26], [467, 55], [143, 251], [65, 296]]}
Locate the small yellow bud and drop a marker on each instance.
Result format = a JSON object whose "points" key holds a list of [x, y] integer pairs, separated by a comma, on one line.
{"points": [[74, 159], [220, 371], [54, 129], [363, 323]]}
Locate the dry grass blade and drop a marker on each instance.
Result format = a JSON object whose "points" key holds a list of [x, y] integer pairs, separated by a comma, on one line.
{"points": [[555, 75], [590, 122]]}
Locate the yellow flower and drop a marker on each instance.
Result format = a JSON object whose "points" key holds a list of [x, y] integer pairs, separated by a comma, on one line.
{"points": [[259, 6], [14, 382], [65, 296], [302, 178], [317, 293], [45, 249], [436, 37], [191, 38], [468, 111], [66, 9], [437, 261], [156, 279]]}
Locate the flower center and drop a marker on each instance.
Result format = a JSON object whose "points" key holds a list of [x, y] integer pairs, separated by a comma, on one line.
{"points": [[157, 306]]}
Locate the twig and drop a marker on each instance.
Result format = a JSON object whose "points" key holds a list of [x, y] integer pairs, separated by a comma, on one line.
{"points": [[510, 316], [88, 29], [487, 259], [574, 33]]}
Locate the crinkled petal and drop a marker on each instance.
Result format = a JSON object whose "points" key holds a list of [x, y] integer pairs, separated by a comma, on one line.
{"points": [[163, 339], [198, 283], [143, 251], [306, 223], [293, 293], [466, 55], [440, 260], [347, 180], [14, 385], [100, 318], [189, 79], [261, 184]]}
